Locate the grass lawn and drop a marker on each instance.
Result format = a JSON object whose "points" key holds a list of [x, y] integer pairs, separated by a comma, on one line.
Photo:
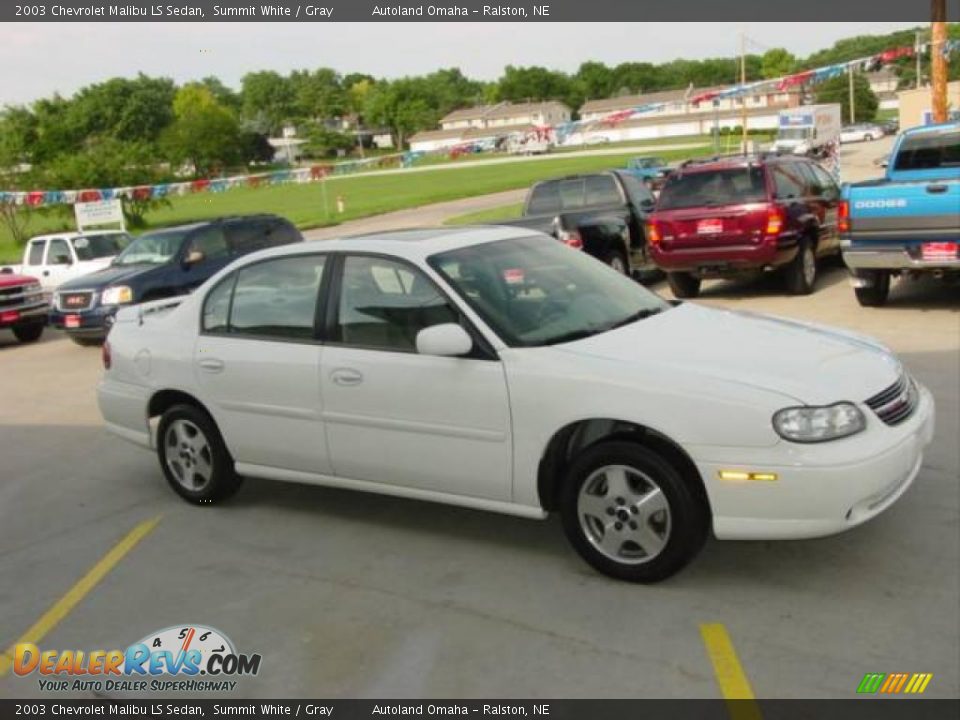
{"points": [[313, 205]]}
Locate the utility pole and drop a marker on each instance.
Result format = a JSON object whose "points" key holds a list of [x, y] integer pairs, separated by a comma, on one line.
{"points": [[853, 106], [743, 82], [938, 60], [919, 58]]}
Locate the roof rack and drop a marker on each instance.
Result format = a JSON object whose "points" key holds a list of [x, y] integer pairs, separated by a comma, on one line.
{"points": [[755, 156]]}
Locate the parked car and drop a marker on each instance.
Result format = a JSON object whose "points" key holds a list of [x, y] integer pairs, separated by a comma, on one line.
{"points": [[861, 132], [56, 259], [503, 371], [161, 264], [907, 222], [891, 126], [602, 213], [729, 216], [650, 170], [23, 308]]}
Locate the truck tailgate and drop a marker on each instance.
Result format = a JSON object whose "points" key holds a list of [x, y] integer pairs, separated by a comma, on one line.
{"points": [[915, 212]]}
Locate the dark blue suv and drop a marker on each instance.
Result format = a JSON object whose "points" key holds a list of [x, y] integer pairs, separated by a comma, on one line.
{"points": [[161, 264]]}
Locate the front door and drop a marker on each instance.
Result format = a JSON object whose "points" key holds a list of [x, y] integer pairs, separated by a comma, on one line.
{"points": [[396, 417], [257, 363]]}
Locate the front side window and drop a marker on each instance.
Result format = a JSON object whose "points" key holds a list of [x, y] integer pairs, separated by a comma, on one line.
{"points": [[58, 253], [210, 243], [271, 299], [535, 291], [384, 304]]}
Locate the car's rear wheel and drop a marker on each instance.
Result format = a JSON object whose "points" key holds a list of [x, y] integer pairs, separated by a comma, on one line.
{"points": [[630, 514], [28, 333], [193, 456], [683, 285], [801, 273], [876, 293]]}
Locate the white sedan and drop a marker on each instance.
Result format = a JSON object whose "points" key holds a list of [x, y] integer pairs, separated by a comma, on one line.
{"points": [[863, 132], [499, 370]]}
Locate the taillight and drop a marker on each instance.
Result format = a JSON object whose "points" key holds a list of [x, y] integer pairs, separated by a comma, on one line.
{"points": [[105, 355], [654, 234], [571, 238], [774, 221], [843, 216]]}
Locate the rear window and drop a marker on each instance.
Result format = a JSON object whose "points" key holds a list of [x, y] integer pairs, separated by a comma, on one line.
{"points": [[557, 196], [929, 151], [91, 247], [730, 186]]}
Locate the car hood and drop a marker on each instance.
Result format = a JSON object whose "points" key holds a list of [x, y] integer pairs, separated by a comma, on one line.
{"points": [[110, 275], [815, 365], [13, 280]]}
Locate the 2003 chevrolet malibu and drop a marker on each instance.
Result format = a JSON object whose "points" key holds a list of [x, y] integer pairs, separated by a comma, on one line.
{"points": [[497, 370]]}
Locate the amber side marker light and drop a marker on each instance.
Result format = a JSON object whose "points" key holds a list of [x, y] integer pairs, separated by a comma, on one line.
{"points": [[741, 475]]}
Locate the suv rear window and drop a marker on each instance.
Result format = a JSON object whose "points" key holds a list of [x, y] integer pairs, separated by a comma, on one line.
{"points": [[555, 196], [928, 151], [727, 186]]}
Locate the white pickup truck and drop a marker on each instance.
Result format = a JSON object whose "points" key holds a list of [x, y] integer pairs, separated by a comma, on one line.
{"points": [[54, 259]]}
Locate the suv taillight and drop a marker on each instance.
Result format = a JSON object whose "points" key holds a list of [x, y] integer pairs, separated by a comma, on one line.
{"points": [[105, 355], [654, 233], [843, 216], [571, 238], [774, 221]]}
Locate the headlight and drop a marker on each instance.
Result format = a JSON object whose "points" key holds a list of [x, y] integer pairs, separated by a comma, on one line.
{"points": [[819, 424], [116, 295]]}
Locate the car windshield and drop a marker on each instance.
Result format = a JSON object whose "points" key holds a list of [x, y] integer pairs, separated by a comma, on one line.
{"points": [[535, 291], [93, 247], [648, 162], [794, 133], [153, 249], [927, 151]]}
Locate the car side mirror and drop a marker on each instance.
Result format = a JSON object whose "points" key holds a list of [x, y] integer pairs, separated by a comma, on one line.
{"points": [[447, 340], [648, 204], [193, 257]]}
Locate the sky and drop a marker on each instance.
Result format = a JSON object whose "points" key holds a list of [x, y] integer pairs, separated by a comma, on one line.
{"points": [[62, 57]]}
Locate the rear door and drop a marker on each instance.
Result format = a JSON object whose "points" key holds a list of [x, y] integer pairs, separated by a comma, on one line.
{"points": [[825, 197], [723, 207], [257, 363]]}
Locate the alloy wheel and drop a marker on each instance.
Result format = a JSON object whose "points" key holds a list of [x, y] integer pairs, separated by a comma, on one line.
{"points": [[188, 455]]}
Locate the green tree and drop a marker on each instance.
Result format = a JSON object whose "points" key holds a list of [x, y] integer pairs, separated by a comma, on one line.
{"points": [[268, 100], [837, 90], [522, 84], [777, 62], [204, 133], [596, 80], [318, 95], [400, 106]]}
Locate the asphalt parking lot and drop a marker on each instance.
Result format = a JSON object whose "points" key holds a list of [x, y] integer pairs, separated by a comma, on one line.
{"points": [[351, 595]]}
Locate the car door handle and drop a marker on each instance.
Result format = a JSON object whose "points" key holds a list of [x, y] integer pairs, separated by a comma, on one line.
{"points": [[46, 273], [211, 365], [346, 377], [936, 189]]}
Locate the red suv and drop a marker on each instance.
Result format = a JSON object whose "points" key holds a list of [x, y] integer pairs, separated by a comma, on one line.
{"points": [[728, 216]]}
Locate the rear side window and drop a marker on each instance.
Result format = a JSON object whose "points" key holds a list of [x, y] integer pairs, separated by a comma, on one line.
{"points": [[35, 256], [557, 196], [601, 190], [929, 151], [271, 299], [789, 181], [247, 237], [729, 186]]}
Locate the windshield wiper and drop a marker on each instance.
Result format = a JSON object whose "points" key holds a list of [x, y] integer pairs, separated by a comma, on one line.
{"points": [[639, 315], [597, 330]]}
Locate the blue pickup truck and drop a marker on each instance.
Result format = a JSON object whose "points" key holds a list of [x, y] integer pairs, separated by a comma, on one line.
{"points": [[908, 221]]}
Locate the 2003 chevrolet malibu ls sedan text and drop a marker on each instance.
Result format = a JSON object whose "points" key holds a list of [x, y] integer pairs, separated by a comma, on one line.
{"points": [[497, 370]]}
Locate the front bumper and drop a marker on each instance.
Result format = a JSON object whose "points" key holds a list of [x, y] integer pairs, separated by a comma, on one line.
{"points": [[94, 322], [891, 257], [820, 489]]}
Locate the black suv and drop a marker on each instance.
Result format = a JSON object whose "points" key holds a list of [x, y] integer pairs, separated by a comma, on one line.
{"points": [[160, 264]]}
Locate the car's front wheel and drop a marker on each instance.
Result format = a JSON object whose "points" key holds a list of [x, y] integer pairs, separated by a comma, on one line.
{"points": [[616, 260], [630, 514], [28, 333], [193, 456]]}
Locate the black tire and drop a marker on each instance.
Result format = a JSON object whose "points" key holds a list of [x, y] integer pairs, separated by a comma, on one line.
{"points": [[799, 276], [87, 341], [682, 528], [192, 459], [28, 333], [876, 294], [683, 285], [617, 261]]}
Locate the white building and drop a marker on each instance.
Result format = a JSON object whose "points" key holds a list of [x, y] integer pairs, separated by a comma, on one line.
{"points": [[488, 122]]}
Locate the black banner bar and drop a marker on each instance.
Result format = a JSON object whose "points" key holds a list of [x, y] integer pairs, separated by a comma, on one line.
{"points": [[468, 11], [872, 709]]}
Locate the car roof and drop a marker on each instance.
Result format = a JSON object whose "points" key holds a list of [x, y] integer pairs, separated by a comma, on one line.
{"points": [[725, 162], [412, 244], [74, 234]]}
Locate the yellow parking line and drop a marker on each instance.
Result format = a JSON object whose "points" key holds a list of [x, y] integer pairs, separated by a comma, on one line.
{"points": [[731, 678], [62, 607]]}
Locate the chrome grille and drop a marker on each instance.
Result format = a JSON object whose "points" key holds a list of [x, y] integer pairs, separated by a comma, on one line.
{"points": [[20, 296], [74, 301], [897, 402]]}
